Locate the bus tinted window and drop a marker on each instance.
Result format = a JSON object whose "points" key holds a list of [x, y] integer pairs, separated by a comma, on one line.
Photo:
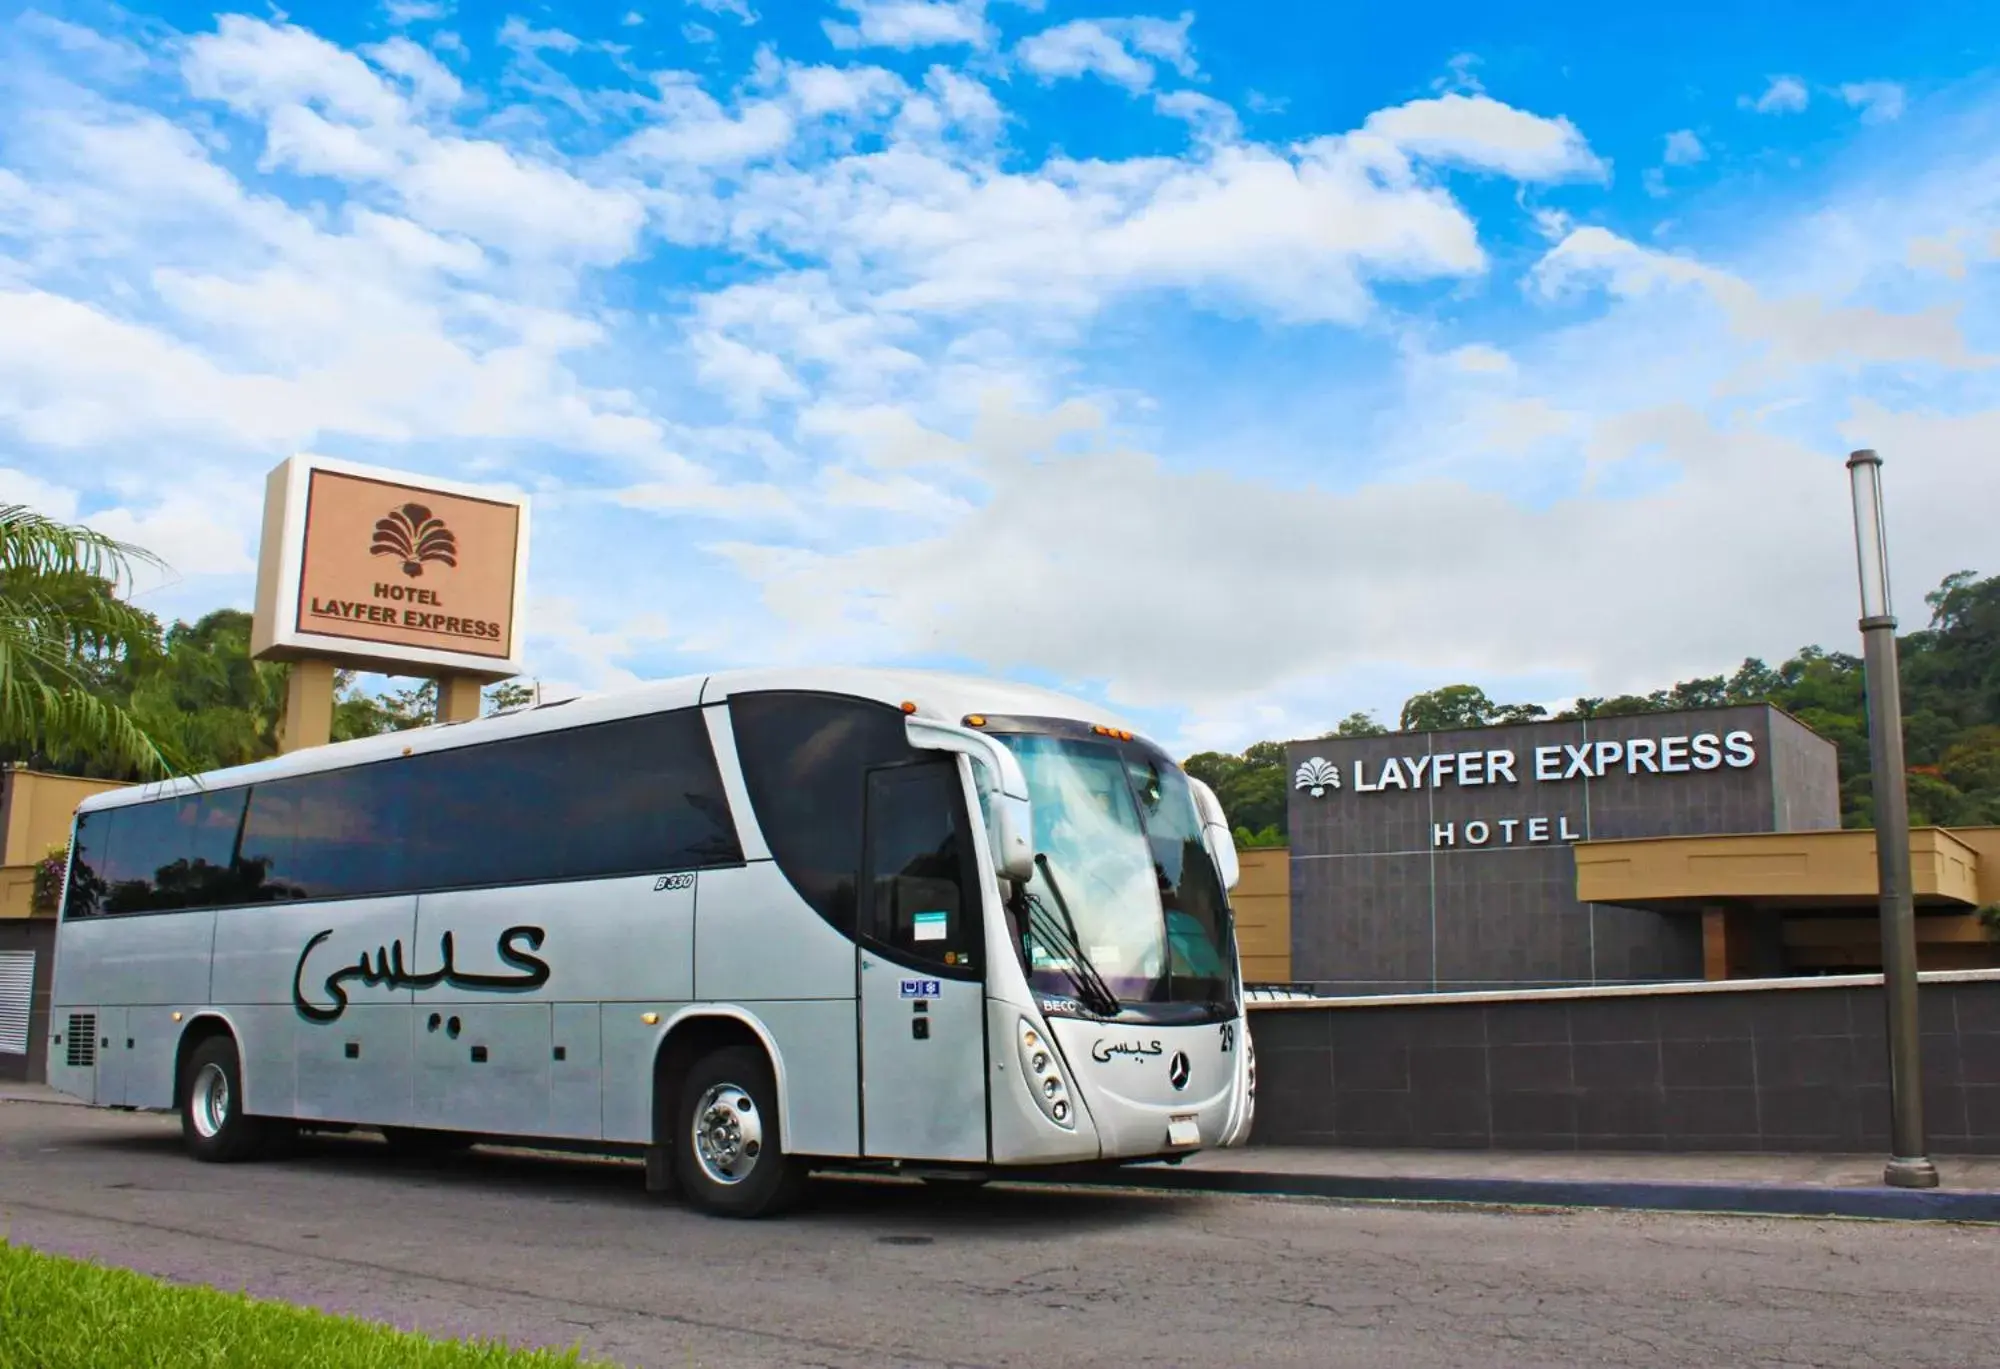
{"points": [[638, 795], [805, 761], [174, 853], [89, 848], [339, 834]]}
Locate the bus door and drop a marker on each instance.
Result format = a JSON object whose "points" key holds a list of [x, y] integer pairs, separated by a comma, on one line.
{"points": [[921, 981]]}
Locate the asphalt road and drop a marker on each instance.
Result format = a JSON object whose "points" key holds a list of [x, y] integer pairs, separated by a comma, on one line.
{"points": [[561, 1251]]}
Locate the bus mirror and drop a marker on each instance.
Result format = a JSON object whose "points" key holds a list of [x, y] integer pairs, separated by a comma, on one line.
{"points": [[1013, 838], [1011, 815], [1215, 830]]}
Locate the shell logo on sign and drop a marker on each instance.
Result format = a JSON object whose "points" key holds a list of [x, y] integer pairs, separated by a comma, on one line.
{"points": [[413, 537], [1316, 776]]}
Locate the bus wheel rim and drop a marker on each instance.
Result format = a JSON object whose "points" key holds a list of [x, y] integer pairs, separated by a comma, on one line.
{"points": [[209, 1099], [728, 1134]]}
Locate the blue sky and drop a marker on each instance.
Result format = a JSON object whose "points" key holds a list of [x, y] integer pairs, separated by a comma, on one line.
{"points": [[1239, 366]]}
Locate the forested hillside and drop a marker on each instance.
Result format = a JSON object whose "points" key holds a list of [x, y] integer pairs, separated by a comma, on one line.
{"points": [[197, 693], [1951, 718]]}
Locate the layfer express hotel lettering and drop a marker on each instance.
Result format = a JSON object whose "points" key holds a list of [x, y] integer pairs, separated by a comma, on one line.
{"points": [[388, 563], [1562, 761]]}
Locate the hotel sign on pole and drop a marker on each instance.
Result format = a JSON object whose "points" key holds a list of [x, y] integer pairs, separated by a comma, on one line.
{"points": [[381, 570]]}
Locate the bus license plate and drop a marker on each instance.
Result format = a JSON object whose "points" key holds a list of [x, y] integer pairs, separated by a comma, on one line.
{"points": [[1183, 1131]]}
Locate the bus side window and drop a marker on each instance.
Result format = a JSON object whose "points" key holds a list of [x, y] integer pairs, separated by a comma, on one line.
{"points": [[805, 761], [917, 860]]}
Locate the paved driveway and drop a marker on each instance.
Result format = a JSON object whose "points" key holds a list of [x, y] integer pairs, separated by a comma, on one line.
{"points": [[560, 1251]]}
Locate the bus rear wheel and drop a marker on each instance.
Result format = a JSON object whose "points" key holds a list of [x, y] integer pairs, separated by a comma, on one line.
{"points": [[728, 1155], [214, 1127]]}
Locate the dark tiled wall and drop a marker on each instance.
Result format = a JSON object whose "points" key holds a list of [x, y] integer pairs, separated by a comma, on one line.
{"points": [[38, 935], [1376, 908], [1801, 1069], [1806, 796]]}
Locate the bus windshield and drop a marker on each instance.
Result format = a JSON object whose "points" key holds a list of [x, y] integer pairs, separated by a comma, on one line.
{"points": [[1122, 867]]}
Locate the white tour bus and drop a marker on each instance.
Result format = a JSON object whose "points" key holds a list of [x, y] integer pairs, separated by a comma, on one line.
{"points": [[754, 924]]}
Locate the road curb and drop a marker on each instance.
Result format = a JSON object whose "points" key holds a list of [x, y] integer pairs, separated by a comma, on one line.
{"points": [[1770, 1200], [51, 1097]]}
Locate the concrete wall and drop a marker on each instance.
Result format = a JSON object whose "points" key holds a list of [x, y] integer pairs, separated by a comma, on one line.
{"points": [[36, 810], [1805, 788], [1774, 1065], [1380, 907], [39, 936], [1262, 900]]}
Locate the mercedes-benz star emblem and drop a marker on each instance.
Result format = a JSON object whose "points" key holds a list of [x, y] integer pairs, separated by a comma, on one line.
{"points": [[1177, 1070]]}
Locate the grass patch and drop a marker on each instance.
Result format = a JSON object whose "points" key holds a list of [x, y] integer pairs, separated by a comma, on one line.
{"points": [[63, 1314]]}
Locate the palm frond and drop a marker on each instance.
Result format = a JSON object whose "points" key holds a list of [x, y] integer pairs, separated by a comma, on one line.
{"points": [[72, 725], [43, 546]]}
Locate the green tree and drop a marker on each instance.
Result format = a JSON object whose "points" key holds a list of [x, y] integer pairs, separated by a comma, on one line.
{"points": [[1250, 787], [511, 694], [63, 630], [1446, 709], [1951, 716], [1359, 725], [203, 694]]}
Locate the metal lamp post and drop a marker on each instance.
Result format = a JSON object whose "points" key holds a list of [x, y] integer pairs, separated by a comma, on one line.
{"points": [[1909, 1166]]}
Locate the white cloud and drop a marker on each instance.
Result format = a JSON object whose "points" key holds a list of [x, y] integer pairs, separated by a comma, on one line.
{"points": [[403, 13], [255, 68], [205, 534], [1941, 254], [328, 113], [892, 494], [519, 34], [1209, 117], [1800, 330], [908, 24], [749, 377], [1684, 148], [431, 82], [632, 19], [1879, 101], [739, 10], [1118, 50], [44, 496], [1299, 236], [965, 101], [1784, 95], [85, 49], [1481, 132], [822, 90], [1478, 358], [691, 128], [697, 33], [524, 207]]}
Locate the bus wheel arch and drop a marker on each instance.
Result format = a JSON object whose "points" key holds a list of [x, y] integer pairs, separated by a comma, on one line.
{"points": [[709, 1065], [208, 1095], [199, 1029]]}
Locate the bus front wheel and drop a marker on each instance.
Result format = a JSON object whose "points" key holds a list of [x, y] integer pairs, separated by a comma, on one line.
{"points": [[214, 1126], [728, 1155]]}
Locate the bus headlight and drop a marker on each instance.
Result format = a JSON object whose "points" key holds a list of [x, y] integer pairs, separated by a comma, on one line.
{"points": [[1044, 1078]]}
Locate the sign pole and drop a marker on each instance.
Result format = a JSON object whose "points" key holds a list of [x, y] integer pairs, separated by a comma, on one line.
{"points": [[1909, 1166]]}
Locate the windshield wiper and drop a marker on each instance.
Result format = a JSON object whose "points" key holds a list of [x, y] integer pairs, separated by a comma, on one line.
{"points": [[1073, 964], [1062, 937]]}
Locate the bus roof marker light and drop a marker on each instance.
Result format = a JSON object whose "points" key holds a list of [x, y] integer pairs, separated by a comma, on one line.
{"points": [[909, 706], [975, 720]]}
